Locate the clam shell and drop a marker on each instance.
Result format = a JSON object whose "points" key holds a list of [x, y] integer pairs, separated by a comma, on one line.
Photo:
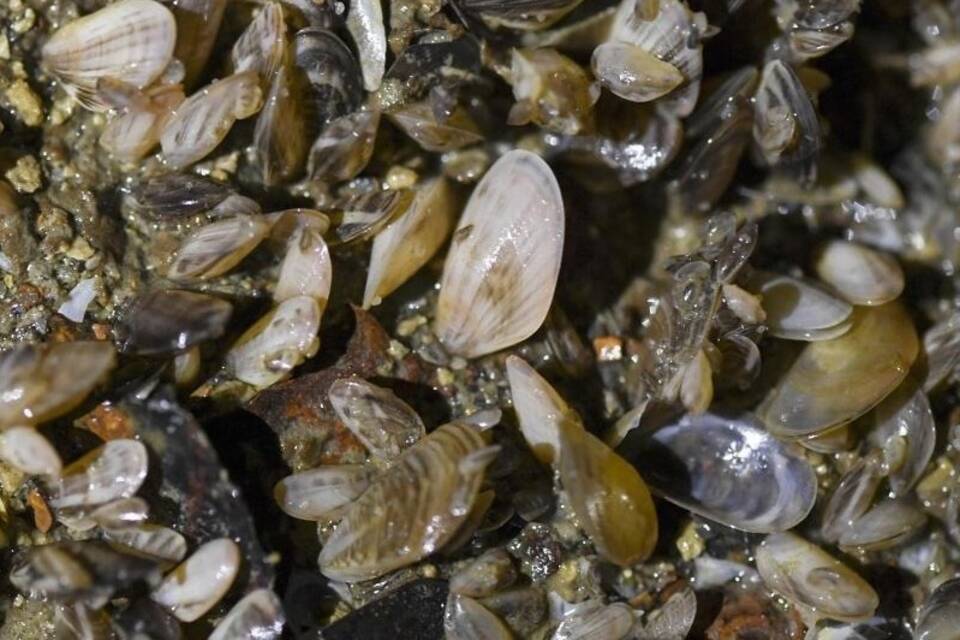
{"points": [[115, 470], [524, 15], [318, 493], [215, 248], [259, 616], [412, 509], [150, 540], [365, 24], [632, 73], [269, 350], [797, 309], [24, 449], [169, 320], [365, 214], [838, 380], [204, 119], [491, 572], [466, 619], [197, 584], [502, 268], [813, 580], [40, 382], [131, 41], [176, 195], [729, 469], [411, 240], [306, 269], [332, 72], [385, 424], [860, 274]]}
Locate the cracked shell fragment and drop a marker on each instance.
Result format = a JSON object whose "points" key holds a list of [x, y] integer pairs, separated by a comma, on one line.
{"points": [[502, 268], [412, 509]]}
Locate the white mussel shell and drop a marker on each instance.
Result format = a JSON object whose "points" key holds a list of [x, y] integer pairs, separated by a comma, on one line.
{"points": [[860, 274], [269, 350], [204, 119], [40, 382], [905, 421], [413, 509], [131, 41], [197, 584], [261, 46], [466, 619], [385, 424], [365, 24], [121, 513], [799, 310], [24, 449], [258, 616], [729, 469], [540, 409], [318, 493], [502, 268], [215, 248], [887, 524], [410, 241], [115, 470], [306, 269], [151, 540], [632, 73], [813, 580], [837, 380]]}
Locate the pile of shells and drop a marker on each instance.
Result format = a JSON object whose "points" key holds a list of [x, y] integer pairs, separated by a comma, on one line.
{"points": [[480, 319]]}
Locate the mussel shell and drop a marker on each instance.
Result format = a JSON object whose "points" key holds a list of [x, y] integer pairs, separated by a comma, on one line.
{"points": [[332, 75], [178, 195], [939, 617], [886, 525], [906, 415], [385, 424], [520, 14], [799, 310], [259, 615], [425, 65], [170, 320], [729, 469], [860, 274]]}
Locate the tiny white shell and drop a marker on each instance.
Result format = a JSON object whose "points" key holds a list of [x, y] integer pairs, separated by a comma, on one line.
{"points": [[197, 584], [74, 308], [502, 268], [278, 342], [131, 41], [204, 119], [115, 470], [860, 274], [26, 450], [215, 248], [258, 616]]}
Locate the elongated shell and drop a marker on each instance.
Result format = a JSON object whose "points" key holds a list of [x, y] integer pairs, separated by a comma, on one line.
{"points": [[344, 147], [269, 350], [365, 24], [731, 470], [25, 449], [385, 424], [282, 135], [306, 269], [852, 497], [502, 268], [408, 243], [838, 380], [115, 470], [812, 579], [151, 540], [40, 382], [258, 616], [131, 41], [205, 118], [540, 409], [194, 587], [316, 494], [261, 46], [411, 510], [786, 127], [215, 248], [132, 135], [172, 320], [860, 274]]}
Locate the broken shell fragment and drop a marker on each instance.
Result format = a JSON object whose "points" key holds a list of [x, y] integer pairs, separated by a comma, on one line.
{"points": [[385, 424], [633, 74], [860, 274], [813, 580], [131, 41], [269, 350], [204, 119], [318, 493], [40, 382], [412, 509], [24, 449], [502, 268], [411, 240], [196, 585], [837, 380], [115, 470], [215, 248], [259, 616], [729, 469]]}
